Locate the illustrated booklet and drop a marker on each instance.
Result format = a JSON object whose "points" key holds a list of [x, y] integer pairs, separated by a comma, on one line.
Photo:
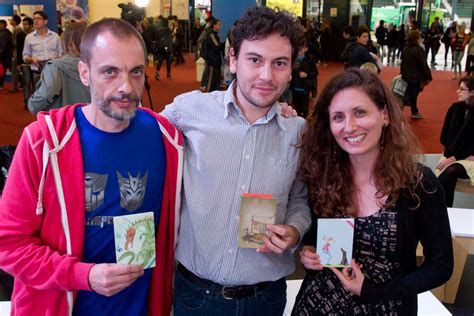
{"points": [[256, 212], [334, 241], [135, 239]]}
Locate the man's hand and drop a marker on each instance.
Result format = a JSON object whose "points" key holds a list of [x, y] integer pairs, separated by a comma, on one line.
{"points": [[109, 278], [351, 278], [310, 259], [445, 162], [287, 110], [282, 238]]}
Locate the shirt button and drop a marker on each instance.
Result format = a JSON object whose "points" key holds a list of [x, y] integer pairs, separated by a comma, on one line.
{"points": [[243, 187], [230, 250], [247, 156]]}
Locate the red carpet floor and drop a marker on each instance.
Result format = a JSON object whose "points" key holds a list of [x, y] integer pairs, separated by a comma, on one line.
{"points": [[433, 102]]}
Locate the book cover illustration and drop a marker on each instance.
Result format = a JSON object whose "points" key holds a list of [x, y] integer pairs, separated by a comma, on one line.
{"points": [[334, 241], [135, 239], [256, 211]]}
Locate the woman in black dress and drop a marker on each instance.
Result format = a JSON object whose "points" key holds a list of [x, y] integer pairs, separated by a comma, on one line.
{"points": [[358, 158]]}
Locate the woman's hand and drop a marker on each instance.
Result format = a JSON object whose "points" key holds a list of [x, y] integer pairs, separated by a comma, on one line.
{"points": [[445, 162], [351, 278], [310, 259]]}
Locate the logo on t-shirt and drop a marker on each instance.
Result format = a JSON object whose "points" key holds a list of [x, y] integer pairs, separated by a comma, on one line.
{"points": [[95, 187], [132, 191]]}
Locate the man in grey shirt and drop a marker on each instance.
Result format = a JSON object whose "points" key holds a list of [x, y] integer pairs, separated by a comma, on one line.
{"points": [[236, 142]]}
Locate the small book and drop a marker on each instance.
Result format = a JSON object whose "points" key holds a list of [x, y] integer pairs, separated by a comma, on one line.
{"points": [[334, 241], [135, 239], [256, 212]]}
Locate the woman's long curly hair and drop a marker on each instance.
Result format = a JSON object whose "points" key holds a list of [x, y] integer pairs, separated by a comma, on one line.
{"points": [[326, 168]]}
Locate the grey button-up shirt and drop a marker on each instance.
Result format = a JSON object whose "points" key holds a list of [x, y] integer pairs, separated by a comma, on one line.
{"points": [[224, 157]]}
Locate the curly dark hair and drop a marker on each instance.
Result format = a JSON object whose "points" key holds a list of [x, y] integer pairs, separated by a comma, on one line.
{"points": [[260, 22], [326, 168]]}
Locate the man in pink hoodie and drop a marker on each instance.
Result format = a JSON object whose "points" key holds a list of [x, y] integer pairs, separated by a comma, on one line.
{"points": [[78, 167]]}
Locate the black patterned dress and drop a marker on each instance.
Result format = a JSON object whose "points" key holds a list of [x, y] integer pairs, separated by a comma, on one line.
{"points": [[375, 241]]}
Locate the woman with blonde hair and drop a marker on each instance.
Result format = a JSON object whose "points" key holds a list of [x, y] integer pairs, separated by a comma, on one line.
{"points": [[359, 160]]}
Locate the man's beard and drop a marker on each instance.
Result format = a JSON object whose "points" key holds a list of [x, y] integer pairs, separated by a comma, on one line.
{"points": [[104, 105]]}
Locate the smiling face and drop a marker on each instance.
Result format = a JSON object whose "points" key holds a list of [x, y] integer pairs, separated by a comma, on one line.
{"points": [[115, 75], [263, 68], [464, 93], [356, 123]]}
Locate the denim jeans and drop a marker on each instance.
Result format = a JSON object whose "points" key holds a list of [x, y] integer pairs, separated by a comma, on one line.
{"points": [[190, 299]]}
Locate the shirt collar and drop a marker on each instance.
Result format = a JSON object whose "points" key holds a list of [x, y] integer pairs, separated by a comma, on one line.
{"points": [[37, 34], [274, 112]]}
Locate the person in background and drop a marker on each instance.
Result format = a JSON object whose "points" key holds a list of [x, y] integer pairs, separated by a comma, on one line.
{"points": [[458, 43], [325, 41], [448, 35], [457, 137], [359, 160], [402, 37], [415, 71], [393, 39], [163, 47], [303, 76], [201, 49], [432, 38], [6, 50], [60, 84], [470, 57], [74, 170], [42, 44], [196, 31], [15, 22], [360, 53], [178, 41], [212, 54], [381, 36], [370, 67], [349, 35], [28, 27], [237, 142], [39, 47]]}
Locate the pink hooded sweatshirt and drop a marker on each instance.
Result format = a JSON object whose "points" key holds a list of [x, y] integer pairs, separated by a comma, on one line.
{"points": [[42, 214]]}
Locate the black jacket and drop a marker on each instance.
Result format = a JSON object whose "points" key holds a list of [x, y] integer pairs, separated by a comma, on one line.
{"points": [[428, 224], [414, 66], [213, 50], [393, 38], [359, 56], [457, 135], [6, 46], [163, 42], [308, 66]]}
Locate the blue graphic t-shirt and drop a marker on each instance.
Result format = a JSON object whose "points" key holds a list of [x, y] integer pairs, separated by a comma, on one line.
{"points": [[124, 174]]}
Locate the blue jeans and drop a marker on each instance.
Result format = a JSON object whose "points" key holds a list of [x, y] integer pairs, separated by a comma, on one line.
{"points": [[190, 299]]}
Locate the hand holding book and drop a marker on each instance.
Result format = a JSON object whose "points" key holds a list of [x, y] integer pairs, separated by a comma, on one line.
{"points": [[282, 238], [351, 278]]}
